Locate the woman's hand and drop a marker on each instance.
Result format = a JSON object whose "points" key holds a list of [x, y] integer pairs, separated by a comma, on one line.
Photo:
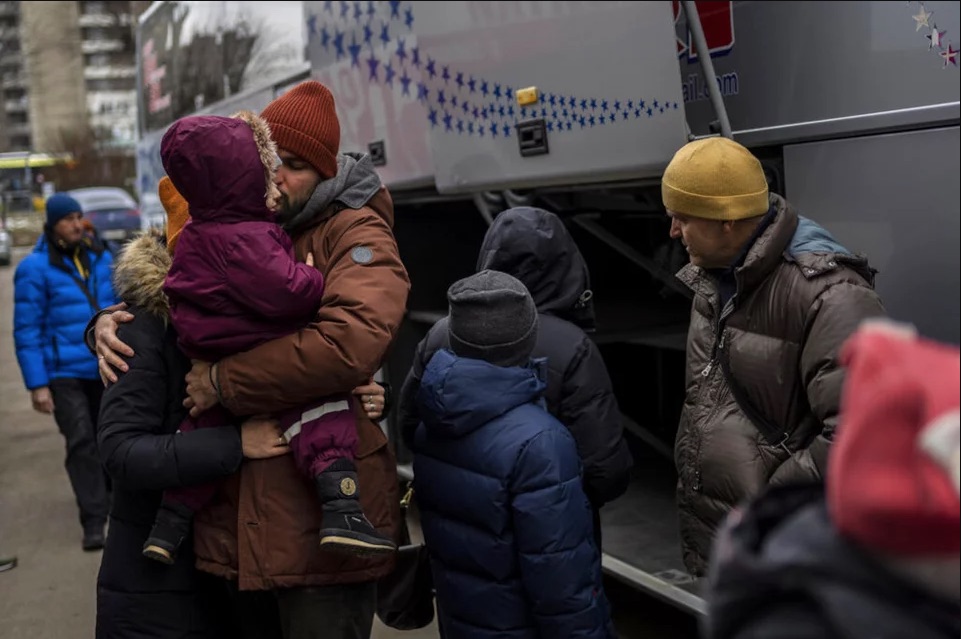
{"points": [[110, 350], [261, 438], [372, 398]]}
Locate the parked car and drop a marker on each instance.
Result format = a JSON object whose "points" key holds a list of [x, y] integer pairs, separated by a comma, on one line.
{"points": [[112, 211], [6, 245], [152, 213], [18, 223]]}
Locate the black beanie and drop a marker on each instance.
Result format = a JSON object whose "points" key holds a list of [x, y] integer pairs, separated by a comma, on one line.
{"points": [[493, 318]]}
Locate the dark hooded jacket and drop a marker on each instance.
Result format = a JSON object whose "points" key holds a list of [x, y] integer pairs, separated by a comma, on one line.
{"points": [[534, 246], [144, 455], [504, 515], [780, 570]]}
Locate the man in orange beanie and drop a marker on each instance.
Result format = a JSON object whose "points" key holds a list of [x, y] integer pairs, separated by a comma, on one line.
{"points": [[876, 550], [334, 207], [774, 297]]}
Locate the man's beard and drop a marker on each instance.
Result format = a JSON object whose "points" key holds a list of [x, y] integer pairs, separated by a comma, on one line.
{"points": [[288, 209]]}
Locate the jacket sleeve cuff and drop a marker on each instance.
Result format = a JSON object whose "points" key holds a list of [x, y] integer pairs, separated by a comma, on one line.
{"points": [[88, 333], [209, 453], [224, 387]]}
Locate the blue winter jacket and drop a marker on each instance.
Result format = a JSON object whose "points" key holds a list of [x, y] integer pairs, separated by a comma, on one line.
{"points": [[51, 309], [505, 517]]}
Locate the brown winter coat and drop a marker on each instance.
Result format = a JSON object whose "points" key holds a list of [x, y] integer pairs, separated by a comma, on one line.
{"points": [[799, 295], [263, 527]]}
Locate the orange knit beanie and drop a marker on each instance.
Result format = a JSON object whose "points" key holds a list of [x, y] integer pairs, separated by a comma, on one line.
{"points": [[304, 122], [177, 212]]}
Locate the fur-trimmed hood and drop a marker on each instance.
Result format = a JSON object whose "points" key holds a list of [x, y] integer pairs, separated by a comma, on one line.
{"points": [[224, 167], [139, 274], [267, 150]]}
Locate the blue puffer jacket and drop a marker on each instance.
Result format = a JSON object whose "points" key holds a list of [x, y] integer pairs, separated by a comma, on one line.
{"points": [[498, 484], [51, 310]]}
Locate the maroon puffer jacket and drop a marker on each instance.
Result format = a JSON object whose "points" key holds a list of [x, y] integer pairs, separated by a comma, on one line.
{"points": [[234, 282]]}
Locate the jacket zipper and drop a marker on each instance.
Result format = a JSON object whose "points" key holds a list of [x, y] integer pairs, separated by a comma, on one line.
{"points": [[705, 373], [718, 337]]}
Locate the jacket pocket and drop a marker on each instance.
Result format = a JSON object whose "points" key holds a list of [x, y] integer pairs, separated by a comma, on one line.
{"points": [[370, 438], [377, 474]]}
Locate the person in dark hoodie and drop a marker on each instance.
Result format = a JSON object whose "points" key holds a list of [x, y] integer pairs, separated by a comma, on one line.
{"points": [[498, 480], [876, 550], [235, 284], [145, 455], [260, 532], [57, 289], [534, 246]]}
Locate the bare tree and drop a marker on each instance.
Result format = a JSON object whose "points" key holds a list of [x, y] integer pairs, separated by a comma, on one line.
{"points": [[91, 164], [52, 44]]}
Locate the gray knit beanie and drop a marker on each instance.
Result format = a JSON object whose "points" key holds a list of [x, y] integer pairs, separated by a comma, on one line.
{"points": [[493, 318]]}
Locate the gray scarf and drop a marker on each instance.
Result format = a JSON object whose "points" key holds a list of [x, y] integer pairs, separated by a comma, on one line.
{"points": [[354, 185]]}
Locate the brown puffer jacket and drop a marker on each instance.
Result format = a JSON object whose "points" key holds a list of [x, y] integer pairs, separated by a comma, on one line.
{"points": [[262, 529], [799, 295]]}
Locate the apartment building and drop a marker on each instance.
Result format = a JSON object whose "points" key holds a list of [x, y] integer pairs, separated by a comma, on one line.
{"points": [[14, 105], [68, 70]]}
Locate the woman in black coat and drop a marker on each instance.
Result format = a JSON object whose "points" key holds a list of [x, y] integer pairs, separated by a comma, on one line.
{"points": [[141, 450]]}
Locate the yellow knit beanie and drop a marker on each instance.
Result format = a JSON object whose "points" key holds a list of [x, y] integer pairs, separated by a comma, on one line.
{"points": [[717, 179]]}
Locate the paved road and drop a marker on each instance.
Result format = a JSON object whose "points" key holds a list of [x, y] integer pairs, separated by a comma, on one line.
{"points": [[51, 594]]}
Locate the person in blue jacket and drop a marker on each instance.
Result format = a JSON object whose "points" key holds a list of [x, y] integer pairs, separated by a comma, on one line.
{"points": [[498, 480], [57, 289]]}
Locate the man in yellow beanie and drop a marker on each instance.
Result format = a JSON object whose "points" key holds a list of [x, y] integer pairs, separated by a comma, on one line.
{"points": [[334, 207], [775, 296]]}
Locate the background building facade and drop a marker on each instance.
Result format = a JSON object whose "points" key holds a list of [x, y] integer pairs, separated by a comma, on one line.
{"points": [[68, 75], [14, 118]]}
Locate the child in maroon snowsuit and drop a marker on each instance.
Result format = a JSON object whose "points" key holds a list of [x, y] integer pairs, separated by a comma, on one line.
{"points": [[235, 283]]}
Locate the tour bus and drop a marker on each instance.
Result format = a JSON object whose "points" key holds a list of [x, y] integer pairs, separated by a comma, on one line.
{"points": [[470, 108]]}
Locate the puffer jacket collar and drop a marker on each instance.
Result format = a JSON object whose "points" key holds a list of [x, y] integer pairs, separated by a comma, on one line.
{"points": [[57, 254], [460, 395], [789, 237], [760, 260]]}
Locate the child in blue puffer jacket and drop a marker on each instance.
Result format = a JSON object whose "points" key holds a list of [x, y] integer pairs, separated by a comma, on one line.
{"points": [[498, 481]]}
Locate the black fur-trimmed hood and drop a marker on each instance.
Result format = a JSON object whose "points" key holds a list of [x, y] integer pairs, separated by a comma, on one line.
{"points": [[140, 272]]}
